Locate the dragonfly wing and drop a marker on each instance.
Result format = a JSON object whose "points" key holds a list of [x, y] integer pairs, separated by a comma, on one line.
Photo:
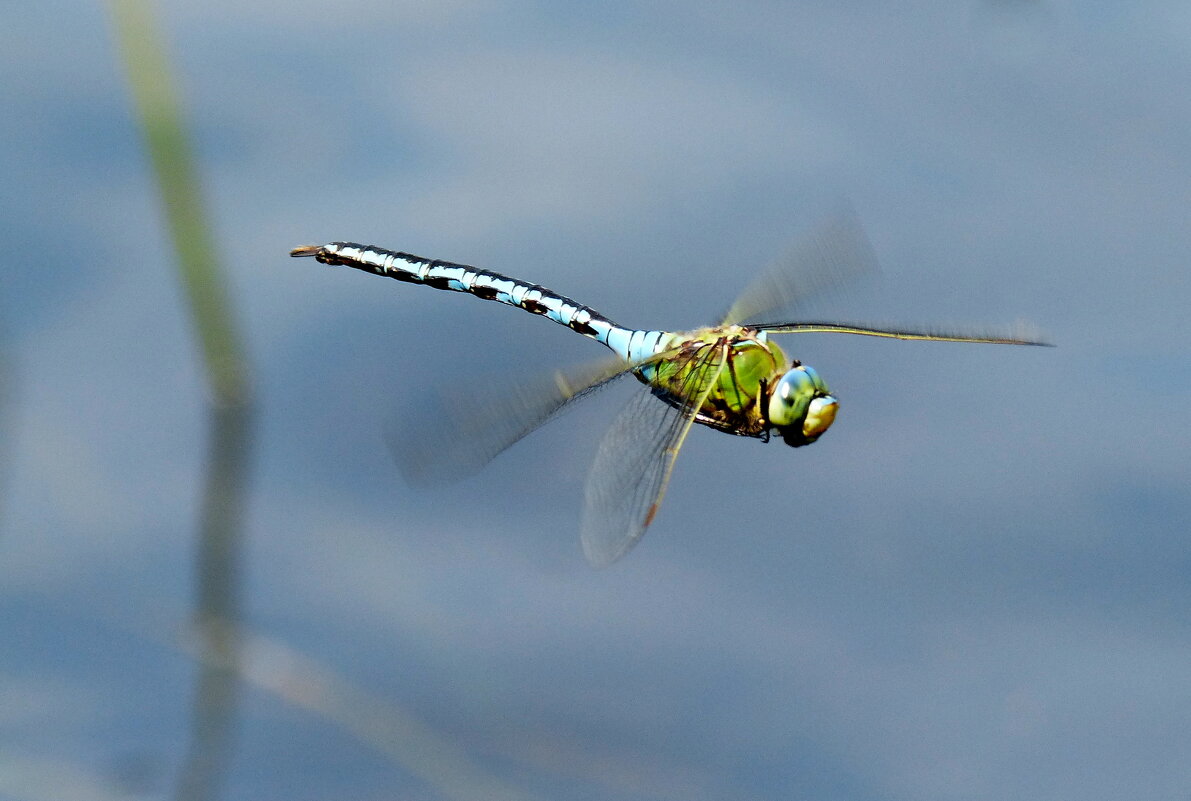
{"points": [[465, 427], [834, 253], [633, 466], [1021, 333]]}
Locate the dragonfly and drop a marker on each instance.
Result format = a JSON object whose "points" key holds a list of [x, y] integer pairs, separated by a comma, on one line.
{"points": [[731, 377]]}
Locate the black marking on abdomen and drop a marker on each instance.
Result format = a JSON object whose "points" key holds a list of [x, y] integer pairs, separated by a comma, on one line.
{"points": [[484, 292], [582, 328], [438, 282], [403, 276], [534, 306]]}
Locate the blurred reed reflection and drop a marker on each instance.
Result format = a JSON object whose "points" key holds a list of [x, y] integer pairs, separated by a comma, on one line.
{"points": [[7, 405], [229, 650], [218, 577]]}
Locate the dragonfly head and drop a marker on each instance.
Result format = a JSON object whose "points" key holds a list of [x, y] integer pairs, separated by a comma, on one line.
{"points": [[800, 407]]}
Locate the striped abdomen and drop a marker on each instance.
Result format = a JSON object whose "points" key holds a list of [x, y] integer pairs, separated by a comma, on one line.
{"points": [[486, 285]]}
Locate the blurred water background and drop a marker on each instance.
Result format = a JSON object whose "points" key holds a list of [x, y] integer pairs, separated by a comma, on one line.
{"points": [[214, 584]]}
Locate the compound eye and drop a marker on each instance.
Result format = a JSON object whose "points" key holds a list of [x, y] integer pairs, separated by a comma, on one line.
{"points": [[819, 383], [791, 397]]}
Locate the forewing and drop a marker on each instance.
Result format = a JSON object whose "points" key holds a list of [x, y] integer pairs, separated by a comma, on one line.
{"points": [[1021, 333], [466, 426], [832, 254], [633, 466]]}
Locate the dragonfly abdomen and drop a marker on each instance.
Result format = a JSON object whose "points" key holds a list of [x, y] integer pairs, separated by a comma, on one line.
{"points": [[488, 285]]}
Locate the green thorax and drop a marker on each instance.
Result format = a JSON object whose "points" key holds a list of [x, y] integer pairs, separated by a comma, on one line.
{"points": [[742, 362]]}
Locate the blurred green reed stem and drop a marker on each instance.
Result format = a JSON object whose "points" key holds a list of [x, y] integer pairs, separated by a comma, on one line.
{"points": [[160, 118], [169, 150]]}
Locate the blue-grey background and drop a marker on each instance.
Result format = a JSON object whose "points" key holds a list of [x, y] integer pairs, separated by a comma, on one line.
{"points": [[976, 586]]}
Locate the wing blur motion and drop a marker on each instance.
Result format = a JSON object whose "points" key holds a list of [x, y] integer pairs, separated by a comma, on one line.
{"points": [[831, 255], [465, 427], [462, 428], [633, 466]]}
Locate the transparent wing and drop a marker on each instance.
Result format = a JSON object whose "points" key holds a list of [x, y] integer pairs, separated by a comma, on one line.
{"points": [[633, 465], [464, 427], [1019, 334], [834, 253]]}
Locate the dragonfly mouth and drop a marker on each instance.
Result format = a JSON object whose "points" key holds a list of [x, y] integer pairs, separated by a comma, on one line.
{"points": [[819, 416]]}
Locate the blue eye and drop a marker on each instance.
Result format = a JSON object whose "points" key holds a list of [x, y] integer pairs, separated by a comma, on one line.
{"points": [[819, 383], [791, 397]]}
